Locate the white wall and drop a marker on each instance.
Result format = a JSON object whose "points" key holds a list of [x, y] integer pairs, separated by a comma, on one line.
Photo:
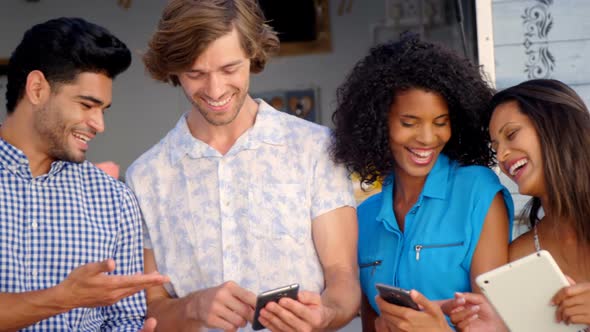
{"points": [[143, 110]]}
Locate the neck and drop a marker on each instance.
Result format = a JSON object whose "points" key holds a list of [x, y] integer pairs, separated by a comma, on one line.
{"points": [[17, 130], [223, 137], [408, 188], [564, 226]]}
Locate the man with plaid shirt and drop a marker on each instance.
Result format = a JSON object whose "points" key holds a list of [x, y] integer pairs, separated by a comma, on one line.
{"points": [[70, 235]]}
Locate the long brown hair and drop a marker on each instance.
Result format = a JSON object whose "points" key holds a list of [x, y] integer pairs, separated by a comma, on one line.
{"points": [[562, 122], [187, 27]]}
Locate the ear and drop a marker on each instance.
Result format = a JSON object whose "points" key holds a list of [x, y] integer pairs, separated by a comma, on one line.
{"points": [[37, 88]]}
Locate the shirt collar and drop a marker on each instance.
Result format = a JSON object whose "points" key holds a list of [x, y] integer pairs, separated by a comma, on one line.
{"points": [[14, 159], [434, 187], [437, 179], [267, 129], [10, 155]]}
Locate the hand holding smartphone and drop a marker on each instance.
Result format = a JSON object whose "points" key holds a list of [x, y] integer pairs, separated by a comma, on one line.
{"points": [[273, 295], [397, 296]]}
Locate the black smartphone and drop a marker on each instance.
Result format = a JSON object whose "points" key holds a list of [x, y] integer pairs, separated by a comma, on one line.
{"points": [[273, 295], [397, 296]]}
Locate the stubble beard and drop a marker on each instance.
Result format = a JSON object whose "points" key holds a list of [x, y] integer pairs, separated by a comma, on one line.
{"points": [[212, 119], [50, 129]]}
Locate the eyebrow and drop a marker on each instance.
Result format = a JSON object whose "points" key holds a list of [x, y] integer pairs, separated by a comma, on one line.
{"points": [[493, 141], [504, 127], [417, 117], [230, 64], [93, 100]]}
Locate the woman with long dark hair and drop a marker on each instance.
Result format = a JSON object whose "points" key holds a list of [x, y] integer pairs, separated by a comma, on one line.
{"points": [[540, 131]]}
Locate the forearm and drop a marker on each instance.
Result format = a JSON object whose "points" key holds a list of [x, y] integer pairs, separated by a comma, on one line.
{"points": [[20, 310], [343, 297]]}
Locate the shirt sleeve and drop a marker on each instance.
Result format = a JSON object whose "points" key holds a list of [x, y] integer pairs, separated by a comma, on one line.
{"points": [[487, 185], [129, 313], [331, 184]]}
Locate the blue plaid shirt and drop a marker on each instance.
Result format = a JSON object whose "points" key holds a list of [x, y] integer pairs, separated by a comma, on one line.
{"points": [[53, 223]]}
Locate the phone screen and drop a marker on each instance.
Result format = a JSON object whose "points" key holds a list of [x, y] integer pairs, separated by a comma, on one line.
{"points": [[273, 295]]}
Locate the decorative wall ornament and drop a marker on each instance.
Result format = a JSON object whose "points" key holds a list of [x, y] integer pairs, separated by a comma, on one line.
{"points": [[537, 23]]}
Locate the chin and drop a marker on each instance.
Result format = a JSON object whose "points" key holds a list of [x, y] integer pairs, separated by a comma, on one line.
{"points": [[74, 158], [418, 173]]}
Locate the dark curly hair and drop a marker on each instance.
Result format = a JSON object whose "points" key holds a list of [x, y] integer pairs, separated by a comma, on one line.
{"points": [[361, 135]]}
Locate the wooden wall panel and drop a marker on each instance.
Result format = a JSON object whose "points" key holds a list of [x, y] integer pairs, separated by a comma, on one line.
{"points": [[568, 20], [567, 61]]}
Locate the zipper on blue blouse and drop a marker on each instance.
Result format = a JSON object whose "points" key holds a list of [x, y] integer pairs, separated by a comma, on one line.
{"points": [[419, 247], [373, 264]]}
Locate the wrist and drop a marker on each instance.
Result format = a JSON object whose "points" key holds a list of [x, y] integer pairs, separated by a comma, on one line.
{"points": [[192, 307], [330, 319], [56, 298]]}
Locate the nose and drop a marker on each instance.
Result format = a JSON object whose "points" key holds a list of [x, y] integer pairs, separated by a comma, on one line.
{"points": [[215, 86], [502, 152], [426, 135], [96, 121]]}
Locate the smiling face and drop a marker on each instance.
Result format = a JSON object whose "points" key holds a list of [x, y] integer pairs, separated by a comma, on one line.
{"points": [[72, 116], [518, 148], [419, 128], [217, 83]]}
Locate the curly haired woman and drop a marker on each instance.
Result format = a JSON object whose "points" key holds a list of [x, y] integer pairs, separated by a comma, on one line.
{"points": [[409, 114]]}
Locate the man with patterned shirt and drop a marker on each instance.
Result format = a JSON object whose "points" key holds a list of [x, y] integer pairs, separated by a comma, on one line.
{"points": [[240, 198], [70, 235]]}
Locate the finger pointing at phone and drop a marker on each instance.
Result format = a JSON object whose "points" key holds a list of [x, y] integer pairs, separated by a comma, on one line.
{"points": [[430, 318], [227, 306]]}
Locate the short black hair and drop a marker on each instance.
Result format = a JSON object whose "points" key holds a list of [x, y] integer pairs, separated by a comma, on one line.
{"points": [[361, 135], [61, 49]]}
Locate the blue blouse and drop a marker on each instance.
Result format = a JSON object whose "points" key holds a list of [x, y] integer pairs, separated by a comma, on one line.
{"points": [[433, 254]]}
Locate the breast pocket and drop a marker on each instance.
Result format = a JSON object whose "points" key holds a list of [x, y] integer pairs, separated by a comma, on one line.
{"points": [[446, 255], [368, 267], [370, 270], [279, 210]]}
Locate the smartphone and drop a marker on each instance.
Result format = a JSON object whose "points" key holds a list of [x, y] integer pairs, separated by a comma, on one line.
{"points": [[273, 295], [397, 296]]}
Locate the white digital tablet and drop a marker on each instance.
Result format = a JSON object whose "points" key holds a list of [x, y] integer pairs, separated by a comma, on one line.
{"points": [[521, 292]]}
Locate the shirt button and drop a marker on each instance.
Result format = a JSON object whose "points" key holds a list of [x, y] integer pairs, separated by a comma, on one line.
{"points": [[34, 225]]}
